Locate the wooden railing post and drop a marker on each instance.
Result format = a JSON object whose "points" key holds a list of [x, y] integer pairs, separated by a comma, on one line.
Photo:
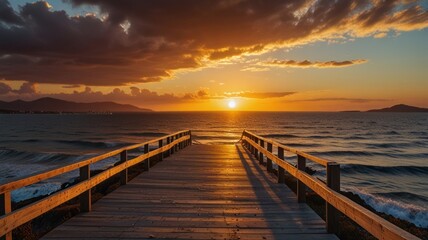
{"points": [[190, 139], [301, 188], [85, 197], [173, 147], [179, 144], [268, 160], [333, 182], [183, 143], [281, 171], [167, 152], [124, 173], [147, 161], [256, 151], [161, 154], [176, 144], [262, 144], [5, 208], [252, 147]]}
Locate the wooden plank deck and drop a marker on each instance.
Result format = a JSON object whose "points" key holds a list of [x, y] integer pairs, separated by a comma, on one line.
{"points": [[201, 192]]}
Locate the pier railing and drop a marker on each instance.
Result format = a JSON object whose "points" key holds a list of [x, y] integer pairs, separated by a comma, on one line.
{"points": [[262, 147], [11, 219]]}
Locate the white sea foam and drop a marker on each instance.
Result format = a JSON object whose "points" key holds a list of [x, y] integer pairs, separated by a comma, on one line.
{"points": [[408, 212]]}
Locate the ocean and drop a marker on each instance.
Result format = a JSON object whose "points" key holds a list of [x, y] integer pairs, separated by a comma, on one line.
{"points": [[383, 156]]}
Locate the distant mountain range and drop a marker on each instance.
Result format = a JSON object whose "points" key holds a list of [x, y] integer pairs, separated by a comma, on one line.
{"points": [[57, 106], [400, 108]]}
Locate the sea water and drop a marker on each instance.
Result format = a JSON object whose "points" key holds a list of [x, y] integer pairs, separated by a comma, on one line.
{"points": [[383, 156]]}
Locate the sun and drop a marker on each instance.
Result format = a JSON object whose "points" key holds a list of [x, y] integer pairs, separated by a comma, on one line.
{"points": [[231, 103]]}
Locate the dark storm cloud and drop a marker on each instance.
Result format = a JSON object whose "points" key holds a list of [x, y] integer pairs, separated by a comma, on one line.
{"points": [[7, 15], [145, 41]]}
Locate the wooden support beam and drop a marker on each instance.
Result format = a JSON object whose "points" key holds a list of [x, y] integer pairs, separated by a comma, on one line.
{"points": [[5, 208], [268, 160], [333, 182], [262, 144], [124, 173], [301, 188], [147, 161], [281, 171], [85, 197]]}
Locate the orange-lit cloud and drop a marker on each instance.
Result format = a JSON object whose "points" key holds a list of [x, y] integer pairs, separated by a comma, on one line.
{"points": [[255, 69], [258, 95], [39, 44], [309, 64]]}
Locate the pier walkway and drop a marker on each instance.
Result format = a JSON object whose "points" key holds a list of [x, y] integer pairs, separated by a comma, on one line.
{"points": [[201, 192]]}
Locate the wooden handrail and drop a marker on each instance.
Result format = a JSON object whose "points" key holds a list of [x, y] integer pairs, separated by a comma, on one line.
{"points": [[13, 219], [313, 158], [28, 180], [376, 225]]}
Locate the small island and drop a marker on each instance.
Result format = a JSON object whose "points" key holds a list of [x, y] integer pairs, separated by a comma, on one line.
{"points": [[400, 108]]}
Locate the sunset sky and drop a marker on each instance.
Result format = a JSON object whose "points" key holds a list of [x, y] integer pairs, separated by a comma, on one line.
{"points": [[302, 55]]}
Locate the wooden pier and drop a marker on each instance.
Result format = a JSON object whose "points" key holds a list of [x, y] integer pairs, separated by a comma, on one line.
{"points": [[198, 192], [202, 192]]}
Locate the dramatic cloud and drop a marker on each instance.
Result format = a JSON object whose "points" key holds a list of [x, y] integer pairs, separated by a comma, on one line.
{"points": [[309, 64], [7, 15], [146, 41], [259, 95]]}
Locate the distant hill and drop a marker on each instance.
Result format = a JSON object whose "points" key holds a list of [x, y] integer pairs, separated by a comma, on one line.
{"points": [[56, 105], [400, 108]]}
